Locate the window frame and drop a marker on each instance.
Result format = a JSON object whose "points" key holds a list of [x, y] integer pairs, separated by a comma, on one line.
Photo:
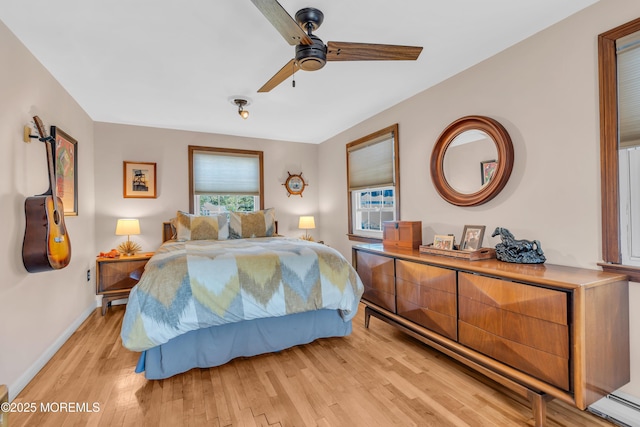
{"points": [[393, 129], [609, 163], [225, 151]]}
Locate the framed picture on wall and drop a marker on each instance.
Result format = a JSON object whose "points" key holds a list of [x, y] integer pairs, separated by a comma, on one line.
{"points": [[139, 180], [66, 169], [487, 170]]}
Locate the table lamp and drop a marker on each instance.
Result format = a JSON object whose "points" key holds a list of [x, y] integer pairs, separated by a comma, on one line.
{"points": [[127, 227], [306, 223]]}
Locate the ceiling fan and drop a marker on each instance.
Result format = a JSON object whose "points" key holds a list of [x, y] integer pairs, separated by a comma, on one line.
{"points": [[311, 52]]}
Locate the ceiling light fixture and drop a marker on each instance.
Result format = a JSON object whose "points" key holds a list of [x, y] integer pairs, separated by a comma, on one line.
{"points": [[241, 103]]}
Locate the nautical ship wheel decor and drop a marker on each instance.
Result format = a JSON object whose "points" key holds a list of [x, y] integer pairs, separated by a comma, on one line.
{"points": [[295, 184]]}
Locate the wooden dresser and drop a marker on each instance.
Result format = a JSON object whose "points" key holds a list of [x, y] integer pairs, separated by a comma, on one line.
{"points": [[544, 331]]}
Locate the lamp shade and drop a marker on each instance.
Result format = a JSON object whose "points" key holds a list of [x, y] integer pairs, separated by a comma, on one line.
{"points": [[307, 222], [126, 227]]}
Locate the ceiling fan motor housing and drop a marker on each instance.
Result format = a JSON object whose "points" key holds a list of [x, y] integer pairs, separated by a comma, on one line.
{"points": [[311, 57]]}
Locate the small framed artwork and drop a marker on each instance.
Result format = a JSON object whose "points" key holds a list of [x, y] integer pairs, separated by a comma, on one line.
{"points": [[139, 180], [472, 236], [487, 170], [66, 169], [440, 241]]}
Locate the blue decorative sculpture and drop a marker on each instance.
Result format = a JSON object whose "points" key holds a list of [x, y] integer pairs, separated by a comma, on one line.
{"points": [[517, 251]]}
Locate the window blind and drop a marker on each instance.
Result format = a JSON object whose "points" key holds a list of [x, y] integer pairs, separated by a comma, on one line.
{"points": [[221, 174], [371, 165], [628, 60]]}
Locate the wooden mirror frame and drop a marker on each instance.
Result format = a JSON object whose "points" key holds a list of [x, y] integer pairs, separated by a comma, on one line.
{"points": [[504, 147]]}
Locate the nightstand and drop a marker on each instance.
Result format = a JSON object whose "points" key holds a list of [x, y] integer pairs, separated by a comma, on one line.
{"points": [[113, 279]]}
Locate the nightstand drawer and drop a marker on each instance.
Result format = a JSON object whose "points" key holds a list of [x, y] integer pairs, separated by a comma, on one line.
{"points": [[114, 276]]}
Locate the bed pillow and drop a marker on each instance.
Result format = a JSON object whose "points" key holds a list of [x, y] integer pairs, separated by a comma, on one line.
{"points": [[174, 228], [196, 227], [252, 224]]}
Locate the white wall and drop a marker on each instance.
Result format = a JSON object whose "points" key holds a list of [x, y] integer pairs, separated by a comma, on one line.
{"points": [[168, 149], [544, 90], [38, 311]]}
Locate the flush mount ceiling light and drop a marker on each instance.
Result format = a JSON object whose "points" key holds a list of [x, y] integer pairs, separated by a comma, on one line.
{"points": [[241, 103]]}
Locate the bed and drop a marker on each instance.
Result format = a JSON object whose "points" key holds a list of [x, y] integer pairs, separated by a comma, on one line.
{"points": [[202, 302]]}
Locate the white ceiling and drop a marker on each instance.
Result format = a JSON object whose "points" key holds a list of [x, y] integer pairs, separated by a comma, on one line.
{"points": [[175, 64]]}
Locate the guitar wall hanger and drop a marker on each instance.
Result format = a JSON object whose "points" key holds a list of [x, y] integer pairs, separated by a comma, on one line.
{"points": [[27, 134]]}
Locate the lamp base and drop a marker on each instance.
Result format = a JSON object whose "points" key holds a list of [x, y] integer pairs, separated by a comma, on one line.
{"points": [[129, 248], [306, 237]]}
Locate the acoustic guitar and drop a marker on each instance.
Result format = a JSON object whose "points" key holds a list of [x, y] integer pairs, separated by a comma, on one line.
{"points": [[46, 245]]}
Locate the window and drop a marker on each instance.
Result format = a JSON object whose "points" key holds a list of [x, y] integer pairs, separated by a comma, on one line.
{"points": [[628, 80], [372, 206], [619, 74], [373, 178], [223, 179]]}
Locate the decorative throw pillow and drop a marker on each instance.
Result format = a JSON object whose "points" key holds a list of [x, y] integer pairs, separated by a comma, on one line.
{"points": [[174, 228], [195, 227], [252, 224]]}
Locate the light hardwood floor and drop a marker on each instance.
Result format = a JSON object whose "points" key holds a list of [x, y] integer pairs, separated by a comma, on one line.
{"points": [[374, 377]]}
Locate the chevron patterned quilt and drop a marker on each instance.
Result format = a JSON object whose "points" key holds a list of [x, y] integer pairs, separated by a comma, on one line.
{"points": [[202, 283]]}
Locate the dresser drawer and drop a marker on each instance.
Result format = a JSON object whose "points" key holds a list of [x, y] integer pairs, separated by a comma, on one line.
{"points": [[520, 325], [378, 277], [532, 301], [539, 334], [544, 366], [427, 275], [426, 295]]}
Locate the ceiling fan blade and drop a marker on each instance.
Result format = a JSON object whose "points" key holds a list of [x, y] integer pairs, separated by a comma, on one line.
{"points": [[284, 73], [344, 51], [283, 22]]}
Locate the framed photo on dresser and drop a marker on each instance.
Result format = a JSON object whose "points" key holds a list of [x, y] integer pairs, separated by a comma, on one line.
{"points": [[472, 236], [441, 241]]}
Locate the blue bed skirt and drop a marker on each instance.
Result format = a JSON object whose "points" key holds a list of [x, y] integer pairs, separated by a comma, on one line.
{"points": [[215, 346]]}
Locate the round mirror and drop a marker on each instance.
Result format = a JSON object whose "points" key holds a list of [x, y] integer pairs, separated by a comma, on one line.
{"points": [[471, 161]]}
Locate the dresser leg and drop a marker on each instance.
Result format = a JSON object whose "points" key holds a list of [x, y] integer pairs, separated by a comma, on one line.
{"points": [[367, 317], [539, 407]]}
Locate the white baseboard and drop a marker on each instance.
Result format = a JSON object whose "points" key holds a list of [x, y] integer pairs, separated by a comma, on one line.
{"points": [[21, 383], [620, 408]]}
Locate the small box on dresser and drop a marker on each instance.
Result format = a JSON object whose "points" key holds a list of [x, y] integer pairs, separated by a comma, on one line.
{"points": [[402, 234]]}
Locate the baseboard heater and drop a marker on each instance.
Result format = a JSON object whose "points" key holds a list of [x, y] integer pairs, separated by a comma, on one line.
{"points": [[619, 408]]}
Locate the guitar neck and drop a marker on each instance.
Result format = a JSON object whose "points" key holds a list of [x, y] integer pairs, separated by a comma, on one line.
{"points": [[51, 167], [49, 142], [51, 170]]}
